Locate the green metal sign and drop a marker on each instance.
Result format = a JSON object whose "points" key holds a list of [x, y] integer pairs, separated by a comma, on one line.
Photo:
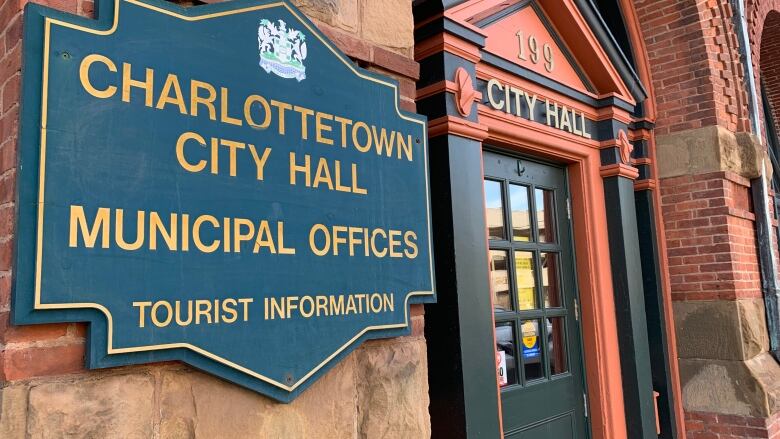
{"points": [[217, 185]]}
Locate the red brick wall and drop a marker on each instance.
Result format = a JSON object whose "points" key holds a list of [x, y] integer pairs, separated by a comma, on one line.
{"points": [[710, 237], [30, 350], [694, 60], [701, 425], [42, 350]]}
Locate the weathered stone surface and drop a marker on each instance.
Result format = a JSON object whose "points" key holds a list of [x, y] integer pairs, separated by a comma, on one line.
{"points": [[767, 371], [725, 330], [13, 411], [720, 387], [117, 406], [745, 388], [393, 402], [195, 405], [388, 23], [342, 14], [707, 149], [379, 391]]}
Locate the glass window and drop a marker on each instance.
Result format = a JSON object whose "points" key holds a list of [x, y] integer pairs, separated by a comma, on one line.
{"points": [[494, 210], [499, 280], [556, 331], [551, 288], [531, 347], [506, 360], [526, 282], [545, 214], [521, 213]]}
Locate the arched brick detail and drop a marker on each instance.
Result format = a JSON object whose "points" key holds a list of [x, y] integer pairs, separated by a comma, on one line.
{"points": [[757, 12], [697, 74], [770, 62], [763, 30]]}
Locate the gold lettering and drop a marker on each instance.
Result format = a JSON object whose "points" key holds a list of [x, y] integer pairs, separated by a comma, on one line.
{"points": [[344, 124], [410, 239], [224, 109], [305, 113], [232, 146], [282, 106], [306, 169], [313, 245], [101, 227], [259, 161], [239, 236], [141, 306], [196, 99], [266, 110], [229, 307], [168, 310], [180, 152], [322, 127], [156, 224], [119, 219], [357, 126], [172, 83], [196, 234], [322, 174], [147, 84], [86, 63]]}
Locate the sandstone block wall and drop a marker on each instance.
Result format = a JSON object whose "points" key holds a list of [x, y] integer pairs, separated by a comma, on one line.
{"points": [[379, 391]]}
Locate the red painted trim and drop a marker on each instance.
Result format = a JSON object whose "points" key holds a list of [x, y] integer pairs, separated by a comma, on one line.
{"points": [[619, 169], [643, 161], [455, 125], [436, 88], [447, 43], [599, 326], [641, 185]]}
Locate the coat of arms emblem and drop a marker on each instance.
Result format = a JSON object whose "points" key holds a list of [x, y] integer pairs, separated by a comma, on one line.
{"points": [[282, 50]]}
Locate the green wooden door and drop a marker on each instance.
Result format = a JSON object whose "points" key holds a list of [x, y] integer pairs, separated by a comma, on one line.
{"points": [[533, 283]]}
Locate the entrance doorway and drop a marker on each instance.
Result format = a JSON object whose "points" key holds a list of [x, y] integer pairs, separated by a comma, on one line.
{"points": [[535, 305]]}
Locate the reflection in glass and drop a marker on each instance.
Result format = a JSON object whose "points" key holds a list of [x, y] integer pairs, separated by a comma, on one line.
{"points": [[526, 283], [506, 360], [531, 347], [545, 214], [521, 213], [499, 281], [557, 345], [494, 210], [551, 290]]}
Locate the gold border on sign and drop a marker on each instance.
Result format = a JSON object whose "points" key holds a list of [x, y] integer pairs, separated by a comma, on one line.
{"points": [[42, 173]]}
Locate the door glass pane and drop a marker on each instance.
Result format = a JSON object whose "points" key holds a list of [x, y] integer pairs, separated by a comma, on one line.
{"points": [[551, 287], [557, 345], [506, 360], [526, 283], [521, 213], [545, 214], [532, 350], [499, 281], [494, 210]]}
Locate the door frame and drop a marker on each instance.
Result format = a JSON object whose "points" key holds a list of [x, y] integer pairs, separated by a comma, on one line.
{"points": [[510, 152], [582, 160]]}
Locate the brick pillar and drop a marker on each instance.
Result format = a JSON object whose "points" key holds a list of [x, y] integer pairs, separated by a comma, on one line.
{"points": [[706, 162]]}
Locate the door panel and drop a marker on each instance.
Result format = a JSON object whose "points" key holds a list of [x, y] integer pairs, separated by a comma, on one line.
{"points": [[531, 263]]}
